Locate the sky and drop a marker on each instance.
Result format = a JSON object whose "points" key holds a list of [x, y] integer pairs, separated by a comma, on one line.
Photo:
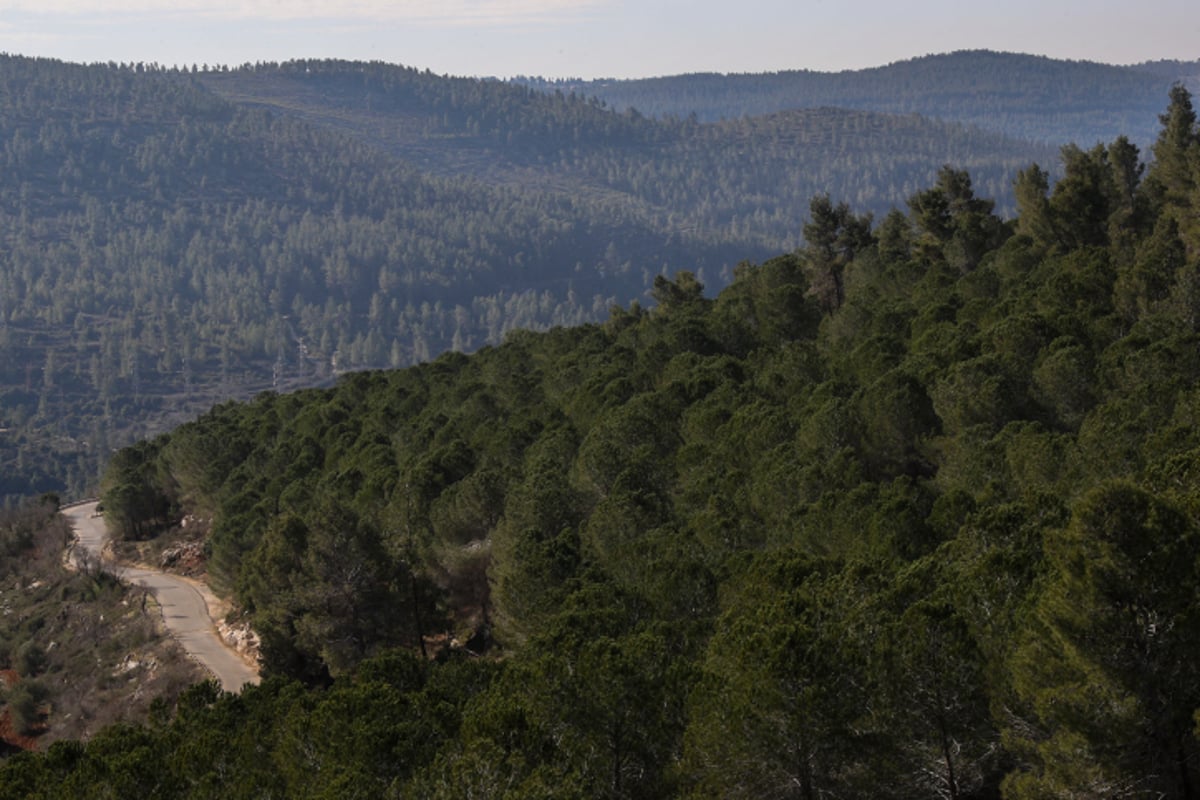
{"points": [[595, 38]]}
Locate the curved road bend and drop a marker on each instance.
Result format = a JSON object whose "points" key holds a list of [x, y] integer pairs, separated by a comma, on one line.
{"points": [[184, 609]]}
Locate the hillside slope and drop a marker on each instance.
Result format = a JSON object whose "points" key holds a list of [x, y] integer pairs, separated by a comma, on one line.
{"points": [[168, 247], [913, 511], [79, 650]]}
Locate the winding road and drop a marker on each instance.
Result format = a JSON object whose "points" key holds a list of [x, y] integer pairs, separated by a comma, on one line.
{"points": [[184, 608]]}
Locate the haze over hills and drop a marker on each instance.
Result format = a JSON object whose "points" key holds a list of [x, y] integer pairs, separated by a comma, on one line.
{"points": [[1023, 96], [712, 176]]}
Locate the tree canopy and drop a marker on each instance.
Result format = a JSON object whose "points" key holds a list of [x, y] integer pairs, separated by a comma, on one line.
{"points": [[935, 538]]}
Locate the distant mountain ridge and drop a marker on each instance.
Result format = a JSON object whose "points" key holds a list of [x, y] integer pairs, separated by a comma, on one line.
{"points": [[506, 134], [1024, 96]]}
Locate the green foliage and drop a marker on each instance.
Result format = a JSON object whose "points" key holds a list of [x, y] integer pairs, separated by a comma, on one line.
{"points": [[777, 710], [833, 236], [23, 703], [1105, 663], [954, 226], [135, 499], [176, 238], [933, 534]]}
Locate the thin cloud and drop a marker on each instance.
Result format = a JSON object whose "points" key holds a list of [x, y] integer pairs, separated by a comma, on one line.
{"points": [[470, 12]]}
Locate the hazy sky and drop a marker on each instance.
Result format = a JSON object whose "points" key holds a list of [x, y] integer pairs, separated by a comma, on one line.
{"points": [[595, 38]]}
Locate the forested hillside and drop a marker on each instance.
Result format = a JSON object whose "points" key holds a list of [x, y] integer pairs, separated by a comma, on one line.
{"points": [[166, 249], [910, 512], [746, 181], [1023, 96], [172, 239]]}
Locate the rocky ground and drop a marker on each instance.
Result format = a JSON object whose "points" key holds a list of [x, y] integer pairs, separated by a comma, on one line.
{"points": [[79, 650]]}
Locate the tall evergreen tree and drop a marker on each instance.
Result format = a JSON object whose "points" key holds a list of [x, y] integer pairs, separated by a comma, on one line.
{"points": [[1176, 170]]}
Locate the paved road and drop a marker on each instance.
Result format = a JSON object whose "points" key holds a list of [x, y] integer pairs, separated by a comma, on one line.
{"points": [[183, 606]]}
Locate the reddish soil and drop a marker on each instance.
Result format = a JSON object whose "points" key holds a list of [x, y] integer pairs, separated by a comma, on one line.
{"points": [[9, 738]]}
